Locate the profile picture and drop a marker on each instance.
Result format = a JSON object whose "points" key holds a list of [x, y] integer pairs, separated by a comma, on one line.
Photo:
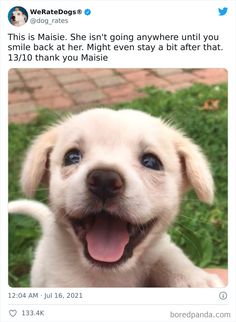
{"points": [[18, 16]]}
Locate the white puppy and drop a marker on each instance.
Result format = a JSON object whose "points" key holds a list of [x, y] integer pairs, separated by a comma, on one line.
{"points": [[18, 18], [116, 179]]}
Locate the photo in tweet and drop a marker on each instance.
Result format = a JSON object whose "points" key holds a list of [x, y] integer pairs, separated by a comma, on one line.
{"points": [[126, 172]]}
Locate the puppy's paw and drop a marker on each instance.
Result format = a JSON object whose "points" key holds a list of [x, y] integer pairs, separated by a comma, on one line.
{"points": [[197, 278]]}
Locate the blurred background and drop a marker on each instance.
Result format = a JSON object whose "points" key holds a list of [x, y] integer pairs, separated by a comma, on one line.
{"points": [[194, 100]]}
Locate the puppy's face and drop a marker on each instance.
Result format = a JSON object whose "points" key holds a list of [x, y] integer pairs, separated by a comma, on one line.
{"points": [[18, 17], [116, 180]]}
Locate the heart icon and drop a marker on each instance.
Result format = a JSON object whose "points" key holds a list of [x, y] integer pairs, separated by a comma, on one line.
{"points": [[12, 313]]}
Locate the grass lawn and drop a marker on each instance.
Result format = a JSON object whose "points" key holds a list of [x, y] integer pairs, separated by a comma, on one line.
{"points": [[200, 230]]}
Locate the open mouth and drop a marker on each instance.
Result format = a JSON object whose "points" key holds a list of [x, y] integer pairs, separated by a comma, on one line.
{"points": [[107, 239]]}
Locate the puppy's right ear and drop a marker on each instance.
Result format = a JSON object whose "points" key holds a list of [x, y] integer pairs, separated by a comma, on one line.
{"points": [[36, 166]]}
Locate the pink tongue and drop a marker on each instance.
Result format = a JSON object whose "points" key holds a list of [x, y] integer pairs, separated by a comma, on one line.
{"points": [[107, 239]]}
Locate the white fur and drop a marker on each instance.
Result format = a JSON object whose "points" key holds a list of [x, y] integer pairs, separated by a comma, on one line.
{"points": [[33, 209], [114, 140], [20, 18]]}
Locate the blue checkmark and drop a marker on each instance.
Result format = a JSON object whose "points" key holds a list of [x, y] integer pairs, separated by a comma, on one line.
{"points": [[87, 12]]}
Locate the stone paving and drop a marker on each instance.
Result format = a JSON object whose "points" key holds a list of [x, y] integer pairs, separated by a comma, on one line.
{"points": [[77, 89]]}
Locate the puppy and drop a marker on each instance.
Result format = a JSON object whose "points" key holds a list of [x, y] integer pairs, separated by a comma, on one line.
{"points": [[116, 180], [18, 18]]}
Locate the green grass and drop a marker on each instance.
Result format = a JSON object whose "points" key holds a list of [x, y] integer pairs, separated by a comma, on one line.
{"points": [[200, 230]]}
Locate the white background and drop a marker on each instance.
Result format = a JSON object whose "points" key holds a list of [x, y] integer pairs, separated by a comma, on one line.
{"points": [[151, 17]]}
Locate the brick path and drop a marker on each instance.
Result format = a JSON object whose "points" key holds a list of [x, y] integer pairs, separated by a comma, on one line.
{"points": [[77, 89]]}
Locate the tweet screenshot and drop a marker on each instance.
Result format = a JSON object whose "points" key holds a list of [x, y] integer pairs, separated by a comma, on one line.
{"points": [[118, 159]]}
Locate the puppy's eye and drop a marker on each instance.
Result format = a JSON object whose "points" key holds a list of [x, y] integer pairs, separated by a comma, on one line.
{"points": [[149, 160], [72, 157]]}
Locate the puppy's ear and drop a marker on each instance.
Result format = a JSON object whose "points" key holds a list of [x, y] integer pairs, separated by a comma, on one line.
{"points": [[36, 166], [195, 168]]}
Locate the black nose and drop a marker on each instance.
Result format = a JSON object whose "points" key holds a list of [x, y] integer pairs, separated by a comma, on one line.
{"points": [[105, 184]]}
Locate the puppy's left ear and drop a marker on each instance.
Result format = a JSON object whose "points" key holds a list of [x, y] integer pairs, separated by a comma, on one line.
{"points": [[195, 168]]}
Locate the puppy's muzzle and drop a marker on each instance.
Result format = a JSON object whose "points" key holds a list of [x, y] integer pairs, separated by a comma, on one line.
{"points": [[108, 236], [105, 184]]}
